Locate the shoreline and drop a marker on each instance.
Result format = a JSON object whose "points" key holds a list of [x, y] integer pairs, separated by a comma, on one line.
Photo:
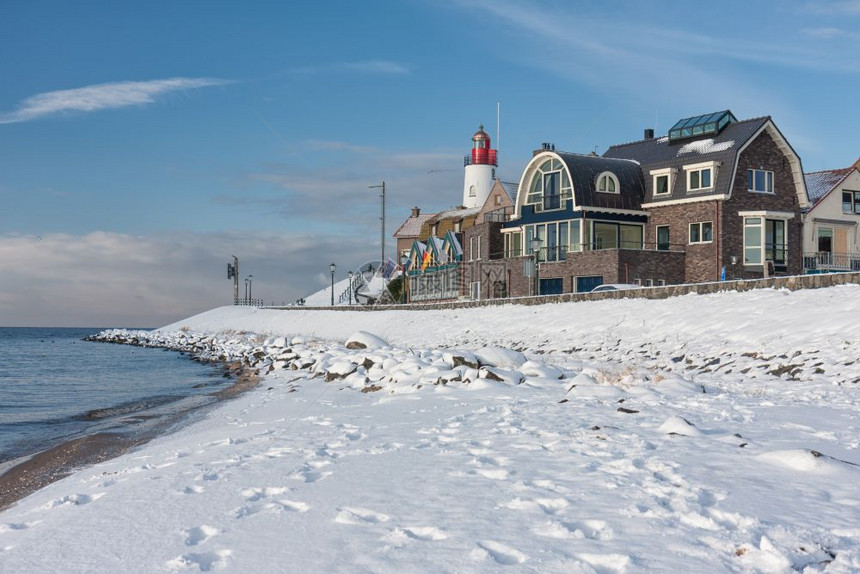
{"points": [[35, 471]]}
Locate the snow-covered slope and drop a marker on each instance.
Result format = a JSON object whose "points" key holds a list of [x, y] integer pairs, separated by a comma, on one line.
{"points": [[698, 434]]}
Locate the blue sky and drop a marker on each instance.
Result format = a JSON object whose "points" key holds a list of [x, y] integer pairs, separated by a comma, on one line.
{"points": [[143, 143]]}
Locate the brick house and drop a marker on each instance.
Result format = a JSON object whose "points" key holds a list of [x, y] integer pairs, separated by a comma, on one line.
{"points": [[715, 198], [730, 192]]}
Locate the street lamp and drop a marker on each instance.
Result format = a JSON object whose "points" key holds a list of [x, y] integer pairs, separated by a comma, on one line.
{"points": [[246, 289], [536, 243], [349, 276], [250, 286], [332, 267], [404, 260]]}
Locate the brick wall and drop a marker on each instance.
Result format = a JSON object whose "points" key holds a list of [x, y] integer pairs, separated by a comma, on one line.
{"points": [[763, 153], [701, 262]]}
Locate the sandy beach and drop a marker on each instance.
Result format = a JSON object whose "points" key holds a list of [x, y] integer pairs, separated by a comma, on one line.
{"points": [[31, 473]]}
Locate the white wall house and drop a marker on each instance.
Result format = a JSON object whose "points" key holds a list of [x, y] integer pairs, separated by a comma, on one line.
{"points": [[831, 226]]}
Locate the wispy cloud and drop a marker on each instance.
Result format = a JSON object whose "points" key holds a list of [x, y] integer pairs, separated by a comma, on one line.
{"points": [[102, 97], [359, 67], [834, 7]]}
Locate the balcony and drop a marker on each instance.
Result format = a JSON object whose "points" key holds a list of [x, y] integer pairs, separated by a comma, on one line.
{"points": [[561, 253], [827, 262], [498, 215]]}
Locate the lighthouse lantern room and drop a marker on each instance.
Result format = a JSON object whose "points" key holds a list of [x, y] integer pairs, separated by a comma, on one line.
{"points": [[480, 170]]}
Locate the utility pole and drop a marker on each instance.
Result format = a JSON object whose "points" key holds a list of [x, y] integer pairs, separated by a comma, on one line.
{"points": [[382, 219]]}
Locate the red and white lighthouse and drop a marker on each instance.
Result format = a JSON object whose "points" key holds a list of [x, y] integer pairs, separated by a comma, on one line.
{"points": [[480, 170]]}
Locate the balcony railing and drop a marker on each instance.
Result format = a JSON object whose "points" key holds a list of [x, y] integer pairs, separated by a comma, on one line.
{"points": [[560, 253], [500, 215], [825, 262]]}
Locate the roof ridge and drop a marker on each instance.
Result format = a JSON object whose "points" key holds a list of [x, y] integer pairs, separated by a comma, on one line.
{"points": [[658, 138], [850, 167]]}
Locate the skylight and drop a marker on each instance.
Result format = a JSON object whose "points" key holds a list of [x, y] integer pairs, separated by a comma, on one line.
{"points": [[701, 125]]}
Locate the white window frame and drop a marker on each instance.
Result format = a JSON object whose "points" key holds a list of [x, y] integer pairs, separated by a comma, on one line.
{"points": [[701, 226], [768, 179], [669, 174], [763, 216], [699, 168], [608, 176]]}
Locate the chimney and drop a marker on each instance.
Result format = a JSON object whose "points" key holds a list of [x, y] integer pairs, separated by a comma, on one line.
{"points": [[649, 133], [416, 211]]}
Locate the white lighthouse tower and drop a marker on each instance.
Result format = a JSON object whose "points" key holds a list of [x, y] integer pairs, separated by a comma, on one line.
{"points": [[480, 170]]}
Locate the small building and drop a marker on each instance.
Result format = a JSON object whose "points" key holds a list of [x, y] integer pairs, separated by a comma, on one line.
{"points": [[831, 224], [409, 231]]}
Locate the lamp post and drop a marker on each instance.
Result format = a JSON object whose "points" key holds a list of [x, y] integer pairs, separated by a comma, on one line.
{"points": [[404, 259], [349, 276], [332, 267], [536, 243], [246, 289], [250, 286]]}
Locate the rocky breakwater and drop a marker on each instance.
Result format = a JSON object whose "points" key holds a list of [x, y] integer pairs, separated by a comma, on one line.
{"points": [[364, 361]]}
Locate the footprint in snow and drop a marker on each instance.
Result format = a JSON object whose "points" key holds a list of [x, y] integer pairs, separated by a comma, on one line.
{"points": [[254, 494], [499, 552], [74, 500], [354, 515], [205, 561], [13, 526], [199, 534]]}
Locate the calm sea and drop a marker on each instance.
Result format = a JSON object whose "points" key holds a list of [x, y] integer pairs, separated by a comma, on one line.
{"points": [[54, 386]]}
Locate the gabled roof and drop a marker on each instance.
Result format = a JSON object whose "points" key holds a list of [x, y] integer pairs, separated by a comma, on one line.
{"points": [[820, 183], [434, 245], [510, 189], [412, 226], [453, 243]]}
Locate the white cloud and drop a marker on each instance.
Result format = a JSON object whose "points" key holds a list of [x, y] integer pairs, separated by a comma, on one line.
{"points": [[837, 7], [377, 67], [102, 97], [110, 279], [361, 67], [824, 33]]}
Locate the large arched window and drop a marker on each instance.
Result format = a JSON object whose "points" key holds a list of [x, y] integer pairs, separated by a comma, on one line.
{"points": [[608, 183], [549, 186]]}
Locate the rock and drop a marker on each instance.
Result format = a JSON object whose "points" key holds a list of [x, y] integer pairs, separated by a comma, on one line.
{"points": [[679, 426], [365, 340], [499, 357], [455, 359]]}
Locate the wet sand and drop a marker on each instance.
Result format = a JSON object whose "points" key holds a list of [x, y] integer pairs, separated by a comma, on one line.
{"points": [[39, 470]]}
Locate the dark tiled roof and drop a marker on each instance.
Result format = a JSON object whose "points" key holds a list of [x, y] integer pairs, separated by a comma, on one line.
{"points": [[659, 153], [820, 183], [585, 169]]}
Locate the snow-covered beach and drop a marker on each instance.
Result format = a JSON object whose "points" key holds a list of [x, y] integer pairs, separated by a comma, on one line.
{"points": [[704, 433]]}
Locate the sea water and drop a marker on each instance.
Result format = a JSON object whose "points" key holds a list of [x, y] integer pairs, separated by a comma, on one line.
{"points": [[54, 386]]}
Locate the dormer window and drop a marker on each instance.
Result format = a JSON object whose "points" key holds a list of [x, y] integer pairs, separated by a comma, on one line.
{"points": [[701, 176], [663, 180], [608, 183]]}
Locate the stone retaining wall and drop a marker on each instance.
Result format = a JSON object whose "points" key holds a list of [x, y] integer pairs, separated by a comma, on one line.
{"points": [[792, 283]]}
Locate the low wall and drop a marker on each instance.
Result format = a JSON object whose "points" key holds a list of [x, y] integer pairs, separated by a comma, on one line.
{"points": [[792, 283]]}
